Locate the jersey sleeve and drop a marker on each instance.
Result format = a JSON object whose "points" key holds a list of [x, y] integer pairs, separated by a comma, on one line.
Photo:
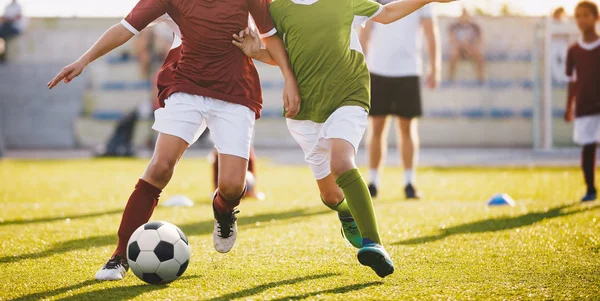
{"points": [[365, 10], [144, 13], [259, 10]]}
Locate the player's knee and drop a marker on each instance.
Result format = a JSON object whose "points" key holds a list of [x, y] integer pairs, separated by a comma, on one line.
{"points": [[161, 171], [231, 189], [340, 165], [332, 198]]}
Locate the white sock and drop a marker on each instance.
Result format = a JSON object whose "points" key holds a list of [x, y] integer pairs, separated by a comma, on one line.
{"points": [[409, 176], [374, 176]]}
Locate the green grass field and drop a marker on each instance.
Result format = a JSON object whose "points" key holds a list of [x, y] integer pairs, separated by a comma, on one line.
{"points": [[58, 223]]}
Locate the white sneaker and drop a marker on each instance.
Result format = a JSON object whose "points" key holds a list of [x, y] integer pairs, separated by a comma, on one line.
{"points": [[225, 230], [114, 269]]}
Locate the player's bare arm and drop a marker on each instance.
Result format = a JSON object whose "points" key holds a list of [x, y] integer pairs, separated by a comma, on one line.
{"points": [[395, 11], [365, 36], [432, 35], [274, 53], [113, 38], [570, 110]]}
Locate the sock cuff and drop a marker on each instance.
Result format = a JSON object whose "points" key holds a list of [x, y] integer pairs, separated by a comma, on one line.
{"points": [[333, 207], [151, 189], [348, 177]]}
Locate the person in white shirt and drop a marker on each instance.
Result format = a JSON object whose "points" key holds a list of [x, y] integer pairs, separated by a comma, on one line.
{"points": [[394, 57], [11, 25]]}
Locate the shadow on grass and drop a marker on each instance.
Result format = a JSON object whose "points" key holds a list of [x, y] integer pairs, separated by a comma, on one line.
{"points": [[337, 290], [497, 224], [190, 229], [117, 292], [58, 218], [263, 287]]}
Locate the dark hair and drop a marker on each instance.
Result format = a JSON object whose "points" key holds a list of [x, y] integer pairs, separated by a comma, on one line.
{"points": [[589, 5]]}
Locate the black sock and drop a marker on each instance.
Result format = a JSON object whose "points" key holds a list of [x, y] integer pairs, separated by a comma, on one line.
{"points": [[588, 165]]}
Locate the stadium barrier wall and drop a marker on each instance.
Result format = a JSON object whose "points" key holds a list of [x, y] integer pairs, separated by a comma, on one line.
{"points": [[458, 114]]}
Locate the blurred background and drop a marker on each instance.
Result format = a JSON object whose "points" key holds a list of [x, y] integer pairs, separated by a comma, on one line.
{"points": [[513, 99]]}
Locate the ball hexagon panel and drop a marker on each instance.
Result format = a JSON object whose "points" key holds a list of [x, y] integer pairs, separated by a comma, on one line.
{"points": [[147, 262], [168, 270], [152, 278], [136, 234], [182, 236], [182, 268], [181, 252], [153, 225], [168, 232], [148, 240], [136, 269], [133, 250], [164, 251]]}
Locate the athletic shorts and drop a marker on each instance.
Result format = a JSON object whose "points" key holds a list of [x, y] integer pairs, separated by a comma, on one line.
{"points": [[348, 123], [587, 130], [399, 96], [187, 116]]}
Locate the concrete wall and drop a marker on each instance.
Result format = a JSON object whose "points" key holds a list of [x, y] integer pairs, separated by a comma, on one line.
{"points": [[460, 114]]}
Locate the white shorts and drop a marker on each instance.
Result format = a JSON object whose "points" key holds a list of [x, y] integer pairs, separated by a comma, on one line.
{"points": [[348, 123], [187, 116], [587, 130]]}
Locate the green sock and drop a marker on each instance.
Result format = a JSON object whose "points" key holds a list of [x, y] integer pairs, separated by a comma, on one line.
{"points": [[360, 204], [342, 208]]}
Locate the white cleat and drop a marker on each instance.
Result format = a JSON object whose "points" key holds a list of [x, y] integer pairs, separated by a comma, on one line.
{"points": [[114, 269], [225, 231]]}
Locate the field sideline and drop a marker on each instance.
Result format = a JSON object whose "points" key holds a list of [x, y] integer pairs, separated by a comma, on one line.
{"points": [[59, 219]]}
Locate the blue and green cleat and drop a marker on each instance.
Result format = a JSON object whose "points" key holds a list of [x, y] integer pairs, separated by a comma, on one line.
{"points": [[374, 256], [350, 231]]}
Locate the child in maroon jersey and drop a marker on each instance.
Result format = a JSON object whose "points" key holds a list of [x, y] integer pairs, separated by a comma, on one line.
{"points": [[206, 82], [583, 101]]}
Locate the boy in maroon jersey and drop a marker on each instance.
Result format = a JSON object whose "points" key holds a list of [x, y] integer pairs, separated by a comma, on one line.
{"points": [[583, 102], [205, 82]]}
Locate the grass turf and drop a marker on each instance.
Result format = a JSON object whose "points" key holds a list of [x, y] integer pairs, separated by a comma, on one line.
{"points": [[59, 221]]}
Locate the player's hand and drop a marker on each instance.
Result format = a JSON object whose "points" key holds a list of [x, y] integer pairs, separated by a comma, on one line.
{"points": [[291, 99], [67, 74], [248, 41], [432, 81], [569, 115]]}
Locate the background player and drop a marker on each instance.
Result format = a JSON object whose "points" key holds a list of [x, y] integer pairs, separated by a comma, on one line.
{"points": [[334, 84], [583, 102], [393, 54], [212, 84]]}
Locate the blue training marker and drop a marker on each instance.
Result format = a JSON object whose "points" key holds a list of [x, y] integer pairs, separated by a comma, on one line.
{"points": [[502, 199]]}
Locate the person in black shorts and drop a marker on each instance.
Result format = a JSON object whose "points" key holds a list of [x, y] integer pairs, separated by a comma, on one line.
{"points": [[394, 57]]}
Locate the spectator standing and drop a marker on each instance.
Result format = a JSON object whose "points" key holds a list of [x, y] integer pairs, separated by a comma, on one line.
{"points": [[12, 24], [394, 55]]}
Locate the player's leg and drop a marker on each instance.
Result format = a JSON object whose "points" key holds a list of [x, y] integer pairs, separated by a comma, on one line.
{"points": [[306, 133], [588, 166], [455, 57], [343, 131], [377, 150], [409, 153], [231, 127], [179, 125]]}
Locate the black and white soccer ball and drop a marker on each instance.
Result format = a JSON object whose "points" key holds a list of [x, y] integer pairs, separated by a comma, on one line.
{"points": [[158, 252]]}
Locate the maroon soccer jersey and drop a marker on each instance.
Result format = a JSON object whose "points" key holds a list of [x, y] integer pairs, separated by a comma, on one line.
{"points": [[583, 64], [208, 63]]}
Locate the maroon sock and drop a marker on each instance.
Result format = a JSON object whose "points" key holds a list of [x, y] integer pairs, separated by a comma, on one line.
{"points": [[215, 168], [252, 163], [223, 205], [137, 212], [588, 165]]}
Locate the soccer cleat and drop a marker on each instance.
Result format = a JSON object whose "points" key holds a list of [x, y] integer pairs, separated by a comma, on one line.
{"points": [[411, 192], [374, 256], [589, 196], [114, 269], [372, 190], [350, 231], [225, 230]]}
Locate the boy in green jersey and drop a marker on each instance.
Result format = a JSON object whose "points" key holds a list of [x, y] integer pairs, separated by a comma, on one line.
{"points": [[334, 84]]}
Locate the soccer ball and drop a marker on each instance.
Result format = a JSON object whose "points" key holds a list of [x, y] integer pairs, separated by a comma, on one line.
{"points": [[158, 252]]}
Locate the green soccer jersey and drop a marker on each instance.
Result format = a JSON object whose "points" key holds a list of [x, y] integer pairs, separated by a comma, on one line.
{"points": [[325, 53]]}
